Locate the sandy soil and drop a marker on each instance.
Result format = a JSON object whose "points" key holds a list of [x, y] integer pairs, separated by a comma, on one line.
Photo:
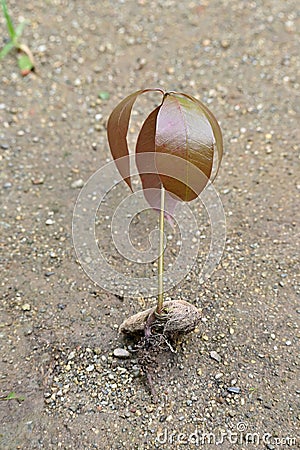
{"points": [[238, 373]]}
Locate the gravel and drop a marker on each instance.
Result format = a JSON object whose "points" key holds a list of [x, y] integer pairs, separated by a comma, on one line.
{"points": [[241, 59]]}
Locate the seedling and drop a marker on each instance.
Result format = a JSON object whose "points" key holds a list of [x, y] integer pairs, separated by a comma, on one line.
{"points": [[175, 153], [25, 57]]}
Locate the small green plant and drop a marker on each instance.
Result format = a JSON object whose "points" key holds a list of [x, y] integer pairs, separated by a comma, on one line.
{"points": [[175, 153], [12, 396], [25, 57]]}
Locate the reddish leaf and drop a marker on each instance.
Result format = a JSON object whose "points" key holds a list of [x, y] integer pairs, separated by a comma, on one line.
{"points": [[183, 131], [117, 128], [175, 147], [216, 130], [146, 165]]}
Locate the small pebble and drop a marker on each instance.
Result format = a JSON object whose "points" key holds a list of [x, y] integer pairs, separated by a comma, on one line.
{"points": [[26, 307], [121, 353], [234, 390], [270, 447], [170, 70], [37, 181], [77, 184], [214, 355], [225, 44], [71, 355], [61, 306]]}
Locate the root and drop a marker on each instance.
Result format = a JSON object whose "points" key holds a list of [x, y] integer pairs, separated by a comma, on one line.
{"points": [[149, 351], [160, 333]]}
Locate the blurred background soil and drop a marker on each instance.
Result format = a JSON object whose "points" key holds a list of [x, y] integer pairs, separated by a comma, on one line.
{"points": [[239, 371]]}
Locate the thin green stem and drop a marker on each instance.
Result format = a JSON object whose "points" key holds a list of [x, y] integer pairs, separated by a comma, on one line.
{"points": [[160, 299]]}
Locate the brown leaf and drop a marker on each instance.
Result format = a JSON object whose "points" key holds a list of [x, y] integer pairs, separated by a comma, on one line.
{"points": [[175, 147], [117, 128], [183, 131], [216, 130], [146, 165]]}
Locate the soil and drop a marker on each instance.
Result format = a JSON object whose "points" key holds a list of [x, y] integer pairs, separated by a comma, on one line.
{"points": [[238, 372]]}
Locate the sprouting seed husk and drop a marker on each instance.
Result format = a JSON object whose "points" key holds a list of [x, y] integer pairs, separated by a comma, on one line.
{"points": [[178, 317]]}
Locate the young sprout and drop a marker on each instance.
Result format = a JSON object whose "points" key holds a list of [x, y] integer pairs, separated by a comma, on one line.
{"points": [[25, 57], [176, 149]]}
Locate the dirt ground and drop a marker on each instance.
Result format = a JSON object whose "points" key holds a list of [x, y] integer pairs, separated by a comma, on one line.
{"points": [[234, 381]]}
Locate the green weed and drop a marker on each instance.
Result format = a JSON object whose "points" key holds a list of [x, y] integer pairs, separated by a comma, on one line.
{"points": [[25, 57]]}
